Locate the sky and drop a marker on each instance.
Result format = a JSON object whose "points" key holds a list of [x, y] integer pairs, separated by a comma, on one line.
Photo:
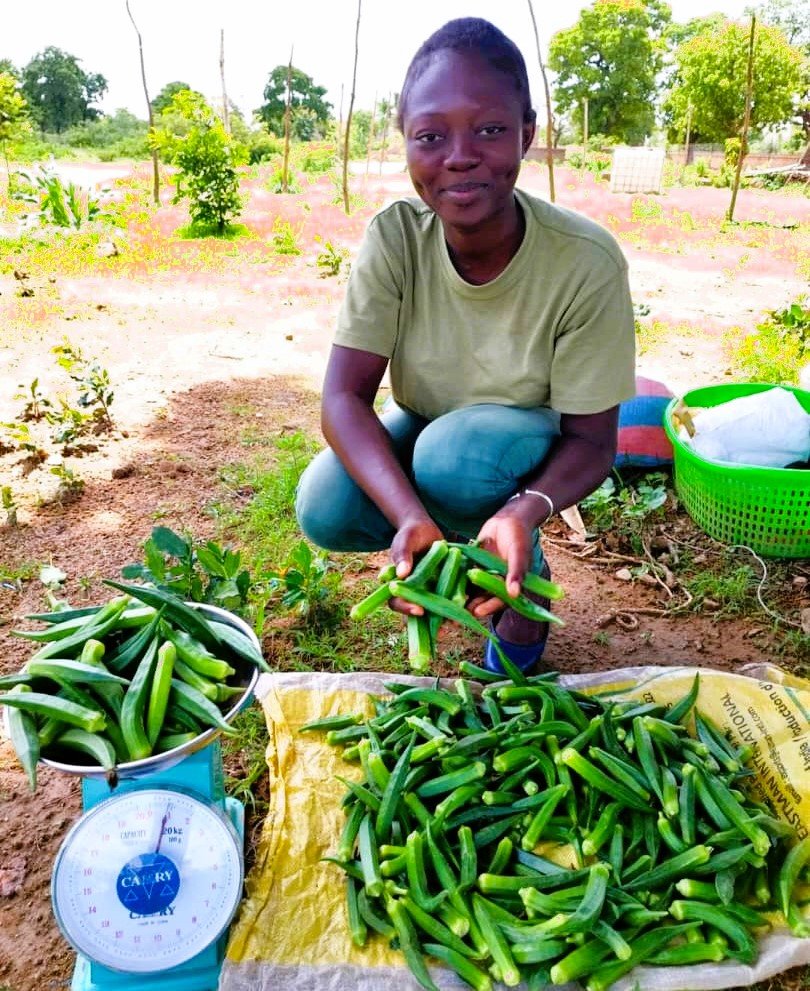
{"points": [[181, 40]]}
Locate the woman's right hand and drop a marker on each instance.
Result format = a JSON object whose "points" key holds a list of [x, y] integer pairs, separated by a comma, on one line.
{"points": [[411, 540]]}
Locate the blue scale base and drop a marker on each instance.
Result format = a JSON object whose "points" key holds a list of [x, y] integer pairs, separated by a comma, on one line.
{"points": [[202, 774]]}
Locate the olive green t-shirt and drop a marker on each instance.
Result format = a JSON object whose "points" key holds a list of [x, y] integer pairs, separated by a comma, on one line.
{"points": [[555, 328]]}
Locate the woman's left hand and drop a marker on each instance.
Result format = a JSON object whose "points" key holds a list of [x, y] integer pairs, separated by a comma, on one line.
{"points": [[508, 536]]}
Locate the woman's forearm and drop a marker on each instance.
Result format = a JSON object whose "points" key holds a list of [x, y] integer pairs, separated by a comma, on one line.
{"points": [[354, 432], [576, 465]]}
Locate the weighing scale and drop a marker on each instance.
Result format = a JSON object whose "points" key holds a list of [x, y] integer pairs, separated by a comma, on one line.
{"points": [[146, 883]]}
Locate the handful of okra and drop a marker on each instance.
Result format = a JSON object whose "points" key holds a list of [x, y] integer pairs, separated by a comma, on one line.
{"points": [[536, 834], [140, 675], [442, 581]]}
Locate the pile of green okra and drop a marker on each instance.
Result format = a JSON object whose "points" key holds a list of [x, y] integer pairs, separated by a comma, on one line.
{"points": [[444, 578], [525, 832], [140, 675]]}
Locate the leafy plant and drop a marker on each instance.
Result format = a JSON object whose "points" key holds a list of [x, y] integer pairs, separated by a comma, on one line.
{"points": [[284, 237], [779, 347], [70, 485], [9, 505], [625, 501], [196, 572], [36, 403], [331, 260], [93, 381], [64, 206], [305, 581], [20, 435], [276, 181]]}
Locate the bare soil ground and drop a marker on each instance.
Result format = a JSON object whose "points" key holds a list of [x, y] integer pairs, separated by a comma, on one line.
{"points": [[200, 360]]}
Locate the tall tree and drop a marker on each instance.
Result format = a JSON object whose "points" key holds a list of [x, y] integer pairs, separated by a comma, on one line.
{"points": [[612, 57], [349, 115], [59, 92], [155, 162], [165, 96], [792, 17], [710, 75], [304, 94]]}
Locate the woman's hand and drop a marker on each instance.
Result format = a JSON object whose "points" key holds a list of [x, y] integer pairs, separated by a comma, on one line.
{"points": [[412, 539], [510, 537]]}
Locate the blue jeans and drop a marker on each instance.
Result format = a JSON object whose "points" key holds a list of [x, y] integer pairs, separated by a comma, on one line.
{"points": [[464, 466]]}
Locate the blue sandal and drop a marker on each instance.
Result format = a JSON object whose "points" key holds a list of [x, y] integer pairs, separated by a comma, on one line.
{"points": [[523, 655]]}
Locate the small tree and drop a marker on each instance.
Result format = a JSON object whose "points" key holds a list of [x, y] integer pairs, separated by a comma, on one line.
{"points": [[204, 156], [303, 94], [13, 115]]}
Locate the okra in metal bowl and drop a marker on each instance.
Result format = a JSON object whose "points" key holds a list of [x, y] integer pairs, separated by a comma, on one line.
{"points": [[131, 687]]}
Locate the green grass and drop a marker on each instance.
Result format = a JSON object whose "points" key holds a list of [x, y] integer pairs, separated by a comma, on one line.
{"points": [[23, 572], [266, 524], [232, 232], [725, 593]]}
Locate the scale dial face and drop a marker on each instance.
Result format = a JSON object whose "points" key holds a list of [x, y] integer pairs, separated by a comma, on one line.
{"points": [[147, 880]]}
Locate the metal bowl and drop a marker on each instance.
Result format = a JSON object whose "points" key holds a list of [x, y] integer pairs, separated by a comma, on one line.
{"points": [[246, 677]]}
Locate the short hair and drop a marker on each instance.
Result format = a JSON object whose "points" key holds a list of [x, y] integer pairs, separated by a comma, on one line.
{"points": [[471, 35]]}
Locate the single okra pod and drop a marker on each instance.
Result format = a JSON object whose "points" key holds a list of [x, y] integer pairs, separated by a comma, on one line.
{"points": [[789, 872], [24, 738], [599, 780], [673, 867], [428, 564], [365, 607], [491, 562], [466, 970], [743, 945], [369, 858], [498, 946], [522, 604], [409, 942]]}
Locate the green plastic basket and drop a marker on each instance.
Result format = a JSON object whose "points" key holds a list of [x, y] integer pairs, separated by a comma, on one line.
{"points": [[767, 509]]}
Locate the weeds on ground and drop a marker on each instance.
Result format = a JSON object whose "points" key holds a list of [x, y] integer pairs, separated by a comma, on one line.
{"points": [[618, 502]]}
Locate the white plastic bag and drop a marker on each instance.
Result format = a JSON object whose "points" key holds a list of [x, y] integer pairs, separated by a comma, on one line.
{"points": [[768, 429]]}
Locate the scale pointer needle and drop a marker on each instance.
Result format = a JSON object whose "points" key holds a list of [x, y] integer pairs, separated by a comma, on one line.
{"points": [[163, 822]]}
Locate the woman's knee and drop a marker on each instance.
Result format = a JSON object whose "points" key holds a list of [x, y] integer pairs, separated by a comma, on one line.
{"points": [[477, 455], [334, 513], [321, 499]]}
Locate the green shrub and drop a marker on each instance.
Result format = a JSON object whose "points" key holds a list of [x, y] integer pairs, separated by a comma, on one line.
{"points": [[320, 158], [195, 140], [263, 146], [779, 347]]}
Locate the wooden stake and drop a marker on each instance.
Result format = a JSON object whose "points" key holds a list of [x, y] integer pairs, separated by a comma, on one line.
{"points": [[287, 113], [226, 116], [349, 115], [549, 114], [150, 115], [749, 91]]}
